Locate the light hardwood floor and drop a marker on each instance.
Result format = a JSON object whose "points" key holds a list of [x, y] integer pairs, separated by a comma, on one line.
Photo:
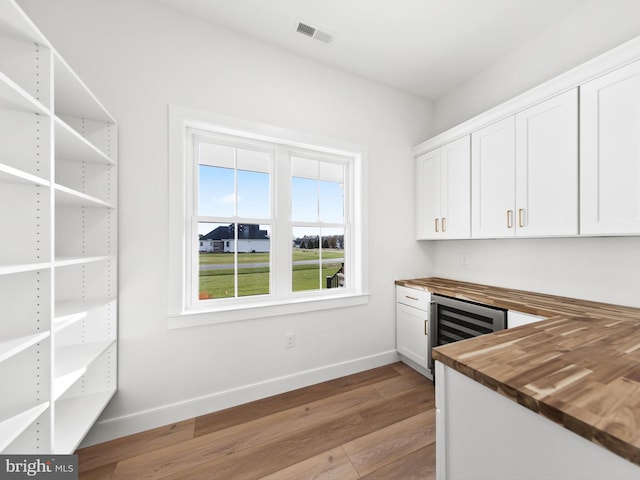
{"points": [[377, 424]]}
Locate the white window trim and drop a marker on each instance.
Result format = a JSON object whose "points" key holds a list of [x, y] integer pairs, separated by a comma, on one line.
{"points": [[180, 314]]}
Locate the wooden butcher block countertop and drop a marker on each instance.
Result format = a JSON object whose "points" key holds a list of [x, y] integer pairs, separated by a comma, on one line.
{"points": [[580, 367]]}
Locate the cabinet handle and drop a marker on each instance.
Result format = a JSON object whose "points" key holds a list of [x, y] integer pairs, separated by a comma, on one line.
{"points": [[411, 298], [509, 218], [521, 217], [444, 224], [425, 327], [437, 229]]}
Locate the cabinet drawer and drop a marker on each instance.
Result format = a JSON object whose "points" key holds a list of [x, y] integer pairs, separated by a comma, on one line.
{"points": [[413, 297]]}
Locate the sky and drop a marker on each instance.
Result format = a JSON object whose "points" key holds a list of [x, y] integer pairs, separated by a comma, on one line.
{"points": [[311, 199]]}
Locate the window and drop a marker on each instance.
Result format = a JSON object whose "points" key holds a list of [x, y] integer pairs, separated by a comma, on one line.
{"points": [[261, 225]]}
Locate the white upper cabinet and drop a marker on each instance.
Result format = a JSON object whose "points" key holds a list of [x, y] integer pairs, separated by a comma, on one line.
{"points": [[610, 153], [525, 172], [443, 191], [492, 180], [547, 168]]}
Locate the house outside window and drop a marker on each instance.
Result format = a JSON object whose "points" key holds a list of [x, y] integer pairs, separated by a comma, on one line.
{"points": [[278, 222]]}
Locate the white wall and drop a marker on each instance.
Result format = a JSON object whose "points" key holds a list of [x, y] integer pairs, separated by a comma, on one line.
{"points": [[603, 269], [597, 268], [137, 58], [592, 30]]}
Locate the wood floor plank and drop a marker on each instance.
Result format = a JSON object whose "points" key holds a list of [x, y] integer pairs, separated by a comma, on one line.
{"points": [[382, 418], [221, 443], [383, 447], [331, 465], [260, 461], [104, 472], [89, 458], [268, 406], [419, 465], [398, 408], [402, 384]]}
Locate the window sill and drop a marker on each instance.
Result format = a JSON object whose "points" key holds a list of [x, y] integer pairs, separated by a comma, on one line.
{"points": [[226, 314]]}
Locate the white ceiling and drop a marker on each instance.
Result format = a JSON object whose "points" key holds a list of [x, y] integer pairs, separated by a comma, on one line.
{"points": [[423, 47]]}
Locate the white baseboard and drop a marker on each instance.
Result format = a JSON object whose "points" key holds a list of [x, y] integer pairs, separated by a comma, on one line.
{"points": [[111, 428]]}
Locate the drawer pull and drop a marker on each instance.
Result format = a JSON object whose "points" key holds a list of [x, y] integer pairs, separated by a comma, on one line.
{"points": [[425, 327], [411, 298], [437, 229], [509, 218], [444, 224]]}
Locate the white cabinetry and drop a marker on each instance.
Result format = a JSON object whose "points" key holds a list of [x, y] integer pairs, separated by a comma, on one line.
{"points": [[58, 278], [492, 180], [547, 168], [412, 327], [610, 153], [495, 437], [443, 191], [525, 172], [517, 319]]}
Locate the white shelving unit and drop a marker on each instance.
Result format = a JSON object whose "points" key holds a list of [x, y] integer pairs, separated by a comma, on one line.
{"points": [[58, 253]]}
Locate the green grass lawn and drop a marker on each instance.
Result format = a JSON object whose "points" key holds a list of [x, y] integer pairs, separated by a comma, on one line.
{"points": [[255, 281], [221, 258]]}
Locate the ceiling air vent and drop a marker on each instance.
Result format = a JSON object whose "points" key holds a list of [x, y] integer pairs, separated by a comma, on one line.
{"points": [[305, 29], [313, 32]]}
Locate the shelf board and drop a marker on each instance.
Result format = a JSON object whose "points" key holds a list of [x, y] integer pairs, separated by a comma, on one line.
{"points": [[13, 175], [70, 145], [23, 267], [14, 97], [72, 97], [74, 417], [14, 421], [70, 312], [71, 362], [69, 196], [11, 347], [16, 24], [69, 261]]}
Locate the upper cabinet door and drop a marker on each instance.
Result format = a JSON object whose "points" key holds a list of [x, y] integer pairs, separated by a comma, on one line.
{"points": [[547, 168], [443, 197], [455, 182], [610, 153], [428, 195], [493, 180]]}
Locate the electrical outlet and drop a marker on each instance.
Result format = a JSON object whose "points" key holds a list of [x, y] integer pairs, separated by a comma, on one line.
{"points": [[464, 259], [290, 340]]}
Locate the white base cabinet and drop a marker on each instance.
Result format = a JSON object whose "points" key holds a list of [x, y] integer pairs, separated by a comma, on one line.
{"points": [[412, 327], [517, 319], [482, 435], [58, 264]]}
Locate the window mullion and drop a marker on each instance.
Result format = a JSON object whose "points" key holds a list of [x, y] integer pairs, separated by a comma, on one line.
{"points": [[281, 261], [236, 225]]}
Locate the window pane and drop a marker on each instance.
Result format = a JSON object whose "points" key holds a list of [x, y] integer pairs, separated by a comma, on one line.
{"points": [[253, 194], [332, 251], [331, 202], [304, 168], [254, 252], [304, 200], [216, 155], [216, 261], [216, 195], [306, 259], [254, 161], [225, 260]]}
